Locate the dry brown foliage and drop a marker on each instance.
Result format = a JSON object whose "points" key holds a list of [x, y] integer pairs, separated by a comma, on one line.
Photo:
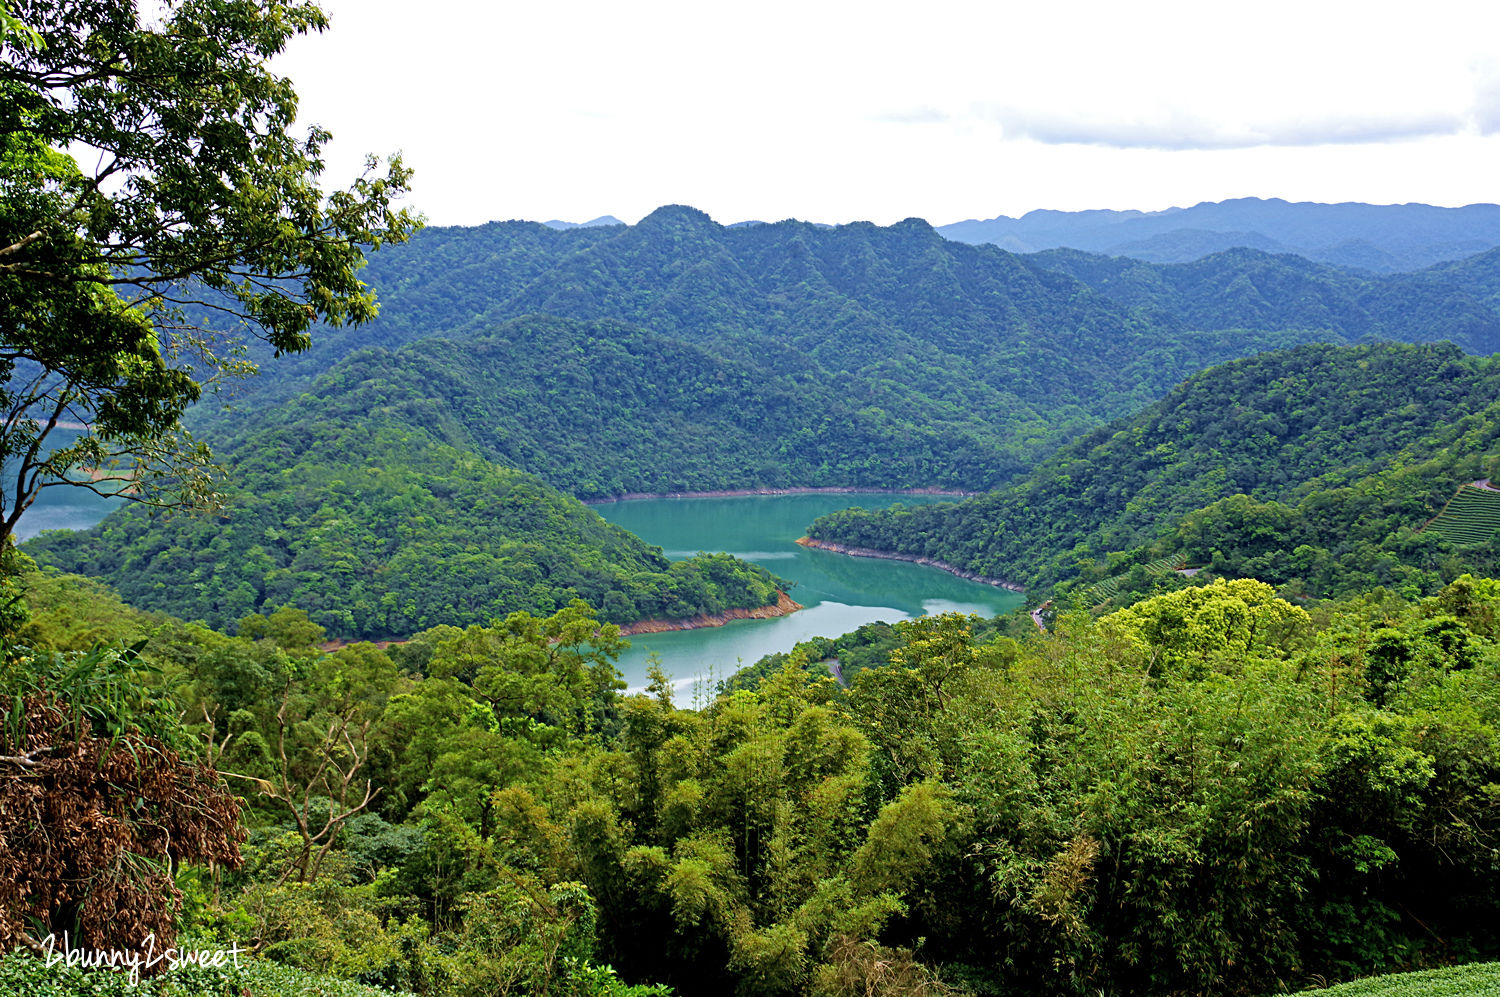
{"points": [[858, 968], [91, 830], [1061, 897]]}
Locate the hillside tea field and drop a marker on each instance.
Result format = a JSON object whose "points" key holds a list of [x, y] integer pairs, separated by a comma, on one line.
{"points": [[1471, 517], [1475, 980]]}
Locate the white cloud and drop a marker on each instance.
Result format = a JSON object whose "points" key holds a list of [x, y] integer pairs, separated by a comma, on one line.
{"points": [[1177, 130], [832, 110]]}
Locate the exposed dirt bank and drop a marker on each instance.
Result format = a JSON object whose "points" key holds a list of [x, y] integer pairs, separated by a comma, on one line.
{"points": [[838, 548], [782, 607], [339, 643], [743, 492]]}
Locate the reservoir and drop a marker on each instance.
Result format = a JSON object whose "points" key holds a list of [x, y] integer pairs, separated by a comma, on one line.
{"points": [[63, 508], [839, 593]]}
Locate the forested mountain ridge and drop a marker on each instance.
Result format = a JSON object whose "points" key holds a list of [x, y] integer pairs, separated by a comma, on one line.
{"points": [[1385, 238], [680, 355], [991, 359], [1278, 426], [378, 528], [1256, 290], [679, 273]]}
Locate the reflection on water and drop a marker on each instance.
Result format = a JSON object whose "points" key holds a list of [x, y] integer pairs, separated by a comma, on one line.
{"points": [[687, 655], [932, 607], [746, 555]]}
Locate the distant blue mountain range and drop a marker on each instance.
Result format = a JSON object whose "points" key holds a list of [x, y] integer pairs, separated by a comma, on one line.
{"points": [[602, 220], [1384, 238]]}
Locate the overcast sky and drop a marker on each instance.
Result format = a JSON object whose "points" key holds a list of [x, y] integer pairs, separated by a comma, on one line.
{"points": [[835, 112]]}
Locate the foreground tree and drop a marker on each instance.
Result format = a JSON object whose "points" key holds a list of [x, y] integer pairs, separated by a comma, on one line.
{"points": [[196, 223]]}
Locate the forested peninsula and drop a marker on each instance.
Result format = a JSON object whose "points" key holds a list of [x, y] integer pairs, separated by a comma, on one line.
{"points": [[839, 548], [377, 529]]}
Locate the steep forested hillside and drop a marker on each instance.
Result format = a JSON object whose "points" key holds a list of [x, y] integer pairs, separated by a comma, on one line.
{"points": [[1334, 536], [377, 529], [1263, 427], [602, 408], [1255, 290], [851, 355]]}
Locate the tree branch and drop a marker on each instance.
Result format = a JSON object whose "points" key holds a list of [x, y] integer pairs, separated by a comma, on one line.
{"points": [[31, 759], [16, 247]]}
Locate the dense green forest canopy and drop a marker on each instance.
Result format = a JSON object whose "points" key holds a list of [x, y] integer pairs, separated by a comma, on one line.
{"points": [[603, 408], [1305, 427], [1210, 791]]}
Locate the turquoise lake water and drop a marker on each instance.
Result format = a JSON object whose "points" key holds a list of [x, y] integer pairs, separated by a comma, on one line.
{"points": [[839, 593]]}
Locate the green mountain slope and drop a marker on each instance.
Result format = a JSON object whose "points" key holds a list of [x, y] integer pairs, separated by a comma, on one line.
{"points": [[602, 407], [1260, 428], [1411, 527], [1256, 290], [378, 529], [990, 359]]}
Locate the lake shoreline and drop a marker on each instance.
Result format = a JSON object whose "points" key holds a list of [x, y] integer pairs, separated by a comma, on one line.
{"points": [[783, 606], [753, 492], [838, 548]]}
